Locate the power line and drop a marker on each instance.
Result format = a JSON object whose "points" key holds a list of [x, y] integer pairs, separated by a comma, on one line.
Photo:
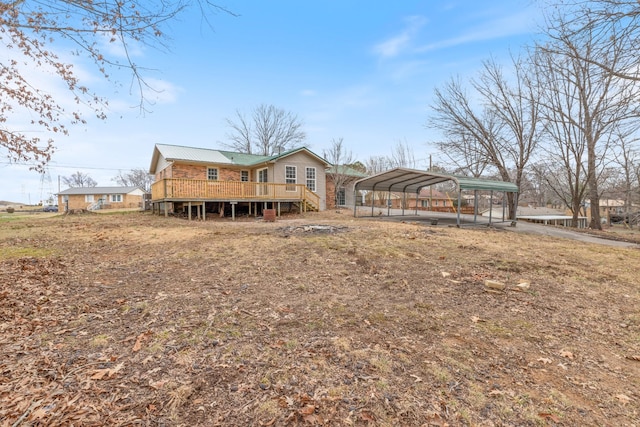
{"points": [[62, 166]]}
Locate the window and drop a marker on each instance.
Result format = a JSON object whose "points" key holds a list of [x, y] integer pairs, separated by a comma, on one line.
{"points": [[290, 177], [88, 198], [244, 176], [212, 174], [311, 179], [341, 197], [116, 198]]}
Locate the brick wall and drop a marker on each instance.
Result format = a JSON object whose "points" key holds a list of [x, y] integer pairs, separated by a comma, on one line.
{"points": [[200, 172]]}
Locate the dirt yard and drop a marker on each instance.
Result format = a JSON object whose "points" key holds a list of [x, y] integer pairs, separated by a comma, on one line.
{"points": [[317, 320]]}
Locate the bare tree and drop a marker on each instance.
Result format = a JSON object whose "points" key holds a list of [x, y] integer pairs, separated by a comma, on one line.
{"points": [[467, 158], [269, 131], [33, 34], [563, 162], [628, 159], [609, 25], [403, 156], [135, 178], [608, 105], [79, 179], [340, 172], [502, 132]]}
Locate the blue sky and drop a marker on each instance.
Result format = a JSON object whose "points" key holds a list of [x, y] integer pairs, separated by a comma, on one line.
{"points": [[355, 70]]}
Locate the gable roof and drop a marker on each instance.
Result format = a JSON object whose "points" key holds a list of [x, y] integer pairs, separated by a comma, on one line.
{"points": [[99, 190], [211, 156], [346, 170]]}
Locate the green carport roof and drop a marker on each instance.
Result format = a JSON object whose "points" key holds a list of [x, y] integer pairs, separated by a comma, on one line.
{"points": [[404, 180]]}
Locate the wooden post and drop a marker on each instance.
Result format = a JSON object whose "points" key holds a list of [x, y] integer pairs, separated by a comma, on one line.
{"points": [[189, 211]]}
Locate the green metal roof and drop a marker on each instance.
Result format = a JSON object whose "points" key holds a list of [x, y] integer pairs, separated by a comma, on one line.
{"points": [[346, 170], [243, 159], [404, 180]]}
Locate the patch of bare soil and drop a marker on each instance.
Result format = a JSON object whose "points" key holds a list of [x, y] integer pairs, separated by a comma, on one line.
{"points": [[320, 319]]}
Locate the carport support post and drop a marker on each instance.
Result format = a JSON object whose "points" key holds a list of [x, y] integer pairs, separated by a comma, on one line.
{"points": [[189, 211], [475, 206], [373, 200], [388, 203], [417, 192], [355, 202], [459, 202], [490, 206]]}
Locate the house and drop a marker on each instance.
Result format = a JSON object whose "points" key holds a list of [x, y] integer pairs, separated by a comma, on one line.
{"points": [[222, 182], [340, 185], [95, 198], [432, 200]]}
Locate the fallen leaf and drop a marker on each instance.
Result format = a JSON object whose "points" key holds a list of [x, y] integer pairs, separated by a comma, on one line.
{"points": [[550, 416], [544, 360], [445, 274], [367, 416], [156, 385], [633, 357], [476, 319], [307, 410], [417, 378], [99, 374], [140, 339]]}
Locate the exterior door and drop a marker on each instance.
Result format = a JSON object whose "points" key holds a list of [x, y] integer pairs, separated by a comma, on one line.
{"points": [[263, 190]]}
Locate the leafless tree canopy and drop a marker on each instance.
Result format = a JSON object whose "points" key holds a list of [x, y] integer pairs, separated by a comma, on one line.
{"points": [[79, 179], [608, 25], [341, 160], [35, 33], [500, 130], [135, 178], [269, 131], [605, 105]]}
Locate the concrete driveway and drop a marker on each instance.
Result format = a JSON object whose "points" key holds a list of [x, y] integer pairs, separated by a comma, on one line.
{"points": [[449, 219]]}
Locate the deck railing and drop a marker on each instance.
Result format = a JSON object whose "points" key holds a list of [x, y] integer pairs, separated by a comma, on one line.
{"points": [[199, 189]]}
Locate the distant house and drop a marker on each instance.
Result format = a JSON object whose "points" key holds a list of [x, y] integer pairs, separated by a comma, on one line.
{"points": [[432, 200], [218, 182], [95, 198]]}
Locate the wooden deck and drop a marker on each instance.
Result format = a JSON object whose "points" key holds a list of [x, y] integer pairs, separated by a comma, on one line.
{"points": [[196, 190]]}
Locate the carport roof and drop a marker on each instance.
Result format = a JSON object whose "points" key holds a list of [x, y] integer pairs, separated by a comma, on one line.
{"points": [[411, 181]]}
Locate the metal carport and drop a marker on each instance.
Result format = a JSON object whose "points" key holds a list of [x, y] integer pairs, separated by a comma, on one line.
{"points": [[403, 180]]}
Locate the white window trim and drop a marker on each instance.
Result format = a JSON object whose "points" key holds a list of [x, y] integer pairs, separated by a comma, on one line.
{"points": [[295, 178], [314, 180], [209, 168], [88, 198]]}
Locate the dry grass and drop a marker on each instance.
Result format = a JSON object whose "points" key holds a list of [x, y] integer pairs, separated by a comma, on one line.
{"points": [[129, 319]]}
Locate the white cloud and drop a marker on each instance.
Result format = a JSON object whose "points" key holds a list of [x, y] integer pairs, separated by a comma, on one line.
{"points": [[395, 45], [308, 92], [519, 23]]}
